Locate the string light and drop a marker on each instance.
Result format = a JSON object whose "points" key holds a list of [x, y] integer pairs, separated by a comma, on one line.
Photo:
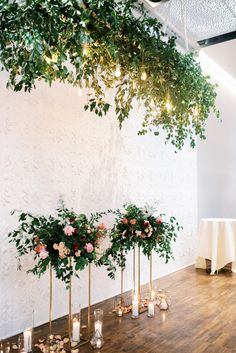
{"points": [[106, 94], [52, 59], [134, 85], [152, 103], [139, 108], [195, 112], [85, 49], [168, 106], [143, 76], [168, 103], [117, 72]]}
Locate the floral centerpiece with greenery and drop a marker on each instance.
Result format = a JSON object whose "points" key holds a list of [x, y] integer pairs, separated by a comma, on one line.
{"points": [[67, 242], [139, 226]]}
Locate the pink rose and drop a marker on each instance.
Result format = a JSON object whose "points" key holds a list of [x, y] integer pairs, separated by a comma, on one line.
{"points": [[68, 230], [39, 248], [133, 221], [89, 247], [159, 220], [146, 222], [125, 220], [102, 226], [43, 254]]}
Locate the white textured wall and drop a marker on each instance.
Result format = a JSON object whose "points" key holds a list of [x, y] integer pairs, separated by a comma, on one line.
{"points": [[216, 155], [50, 146]]}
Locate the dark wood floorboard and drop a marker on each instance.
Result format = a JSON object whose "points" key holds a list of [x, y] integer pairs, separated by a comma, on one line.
{"points": [[201, 319]]}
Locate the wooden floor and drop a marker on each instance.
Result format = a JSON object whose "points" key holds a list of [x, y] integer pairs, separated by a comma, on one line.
{"points": [[202, 319]]}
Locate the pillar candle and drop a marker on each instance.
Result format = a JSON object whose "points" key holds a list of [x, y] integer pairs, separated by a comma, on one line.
{"points": [[98, 327], [151, 309], [76, 331], [28, 340], [120, 312], [135, 307]]}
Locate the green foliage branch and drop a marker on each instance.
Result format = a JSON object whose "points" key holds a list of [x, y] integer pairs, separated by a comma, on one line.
{"points": [[138, 226], [53, 243], [107, 45]]}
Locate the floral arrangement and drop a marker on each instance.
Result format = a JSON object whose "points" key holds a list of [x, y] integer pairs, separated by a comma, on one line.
{"points": [[67, 242], [141, 227], [108, 46]]}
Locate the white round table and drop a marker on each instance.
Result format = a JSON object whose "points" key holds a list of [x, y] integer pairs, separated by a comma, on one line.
{"points": [[216, 242]]}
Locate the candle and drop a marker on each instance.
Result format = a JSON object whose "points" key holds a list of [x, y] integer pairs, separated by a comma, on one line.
{"points": [[135, 307], [163, 304], [76, 331], [28, 340], [151, 309], [99, 343], [120, 312], [98, 327]]}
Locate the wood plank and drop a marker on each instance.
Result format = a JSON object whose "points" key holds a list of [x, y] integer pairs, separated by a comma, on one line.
{"points": [[201, 318]]}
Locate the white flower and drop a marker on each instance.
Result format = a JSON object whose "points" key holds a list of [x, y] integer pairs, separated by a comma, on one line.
{"points": [[150, 209]]}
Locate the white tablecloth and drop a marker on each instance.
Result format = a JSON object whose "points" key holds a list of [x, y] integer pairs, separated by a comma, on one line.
{"points": [[216, 242]]}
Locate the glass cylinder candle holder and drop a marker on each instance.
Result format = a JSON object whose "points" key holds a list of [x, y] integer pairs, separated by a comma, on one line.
{"points": [[135, 306], [163, 304], [20, 343], [28, 334], [119, 306], [98, 320], [119, 311], [151, 308], [97, 340], [168, 297], [76, 326]]}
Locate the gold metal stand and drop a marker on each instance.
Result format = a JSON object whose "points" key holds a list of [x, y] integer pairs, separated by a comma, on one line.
{"points": [[70, 303], [141, 308], [150, 281], [83, 340], [50, 300]]}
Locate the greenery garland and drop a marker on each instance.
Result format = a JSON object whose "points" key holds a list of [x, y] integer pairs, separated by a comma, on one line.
{"points": [[104, 45], [67, 242], [141, 227]]}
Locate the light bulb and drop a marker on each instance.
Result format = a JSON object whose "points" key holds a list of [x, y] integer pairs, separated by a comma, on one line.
{"points": [[47, 59], [168, 106], [54, 57], [85, 49], [106, 95], [117, 72], [195, 111], [143, 76], [79, 92], [152, 103], [134, 85], [139, 108]]}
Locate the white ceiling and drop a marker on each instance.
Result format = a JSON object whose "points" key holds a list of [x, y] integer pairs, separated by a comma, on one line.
{"points": [[204, 18]]}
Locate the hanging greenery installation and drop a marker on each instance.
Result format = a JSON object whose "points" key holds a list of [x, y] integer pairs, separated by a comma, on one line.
{"points": [[108, 47]]}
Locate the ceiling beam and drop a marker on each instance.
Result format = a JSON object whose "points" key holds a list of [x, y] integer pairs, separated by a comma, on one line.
{"points": [[218, 39]]}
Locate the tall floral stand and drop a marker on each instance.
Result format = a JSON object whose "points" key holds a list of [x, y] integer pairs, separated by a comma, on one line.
{"points": [[84, 339]]}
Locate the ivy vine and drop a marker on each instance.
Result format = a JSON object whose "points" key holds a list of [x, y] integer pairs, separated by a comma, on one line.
{"points": [[107, 46]]}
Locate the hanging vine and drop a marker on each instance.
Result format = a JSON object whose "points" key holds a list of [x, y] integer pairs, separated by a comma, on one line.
{"points": [[107, 45]]}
